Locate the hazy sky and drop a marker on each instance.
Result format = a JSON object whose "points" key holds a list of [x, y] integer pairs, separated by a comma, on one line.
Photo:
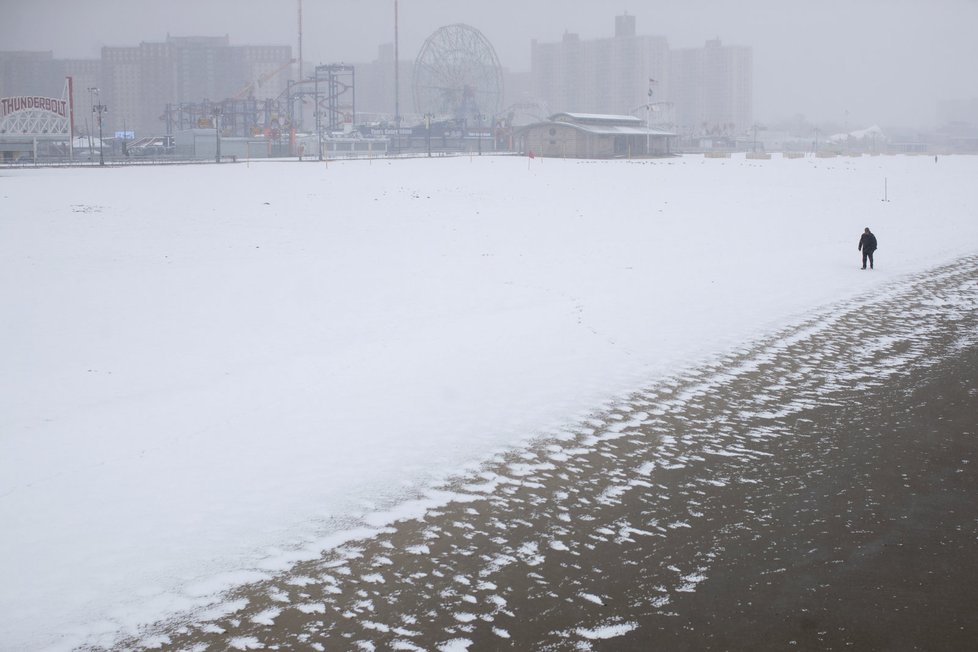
{"points": [[882, 61]]}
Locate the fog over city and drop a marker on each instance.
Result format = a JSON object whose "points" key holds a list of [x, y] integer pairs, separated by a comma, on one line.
{"points": [[864, 62]]}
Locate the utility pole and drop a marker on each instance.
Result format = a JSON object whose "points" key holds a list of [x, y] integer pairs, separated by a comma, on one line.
{"points": [[648, 121], [319, 123], [397, 87], [300, 60]]}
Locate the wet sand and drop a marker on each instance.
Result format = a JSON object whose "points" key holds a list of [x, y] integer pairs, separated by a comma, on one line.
{"points": [[872, 547], [817, 490]]}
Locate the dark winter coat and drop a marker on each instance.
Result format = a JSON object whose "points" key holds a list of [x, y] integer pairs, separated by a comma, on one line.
{"points": [[867, 242]]}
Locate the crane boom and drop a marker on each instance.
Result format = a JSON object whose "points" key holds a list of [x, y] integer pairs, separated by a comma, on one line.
{"points": [[249, 88]]}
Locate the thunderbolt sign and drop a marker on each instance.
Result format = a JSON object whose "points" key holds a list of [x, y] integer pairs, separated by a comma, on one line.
{"points": [[10, 105]]}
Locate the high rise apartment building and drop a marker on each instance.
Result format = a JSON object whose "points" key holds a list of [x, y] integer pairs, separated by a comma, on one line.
{"points": [[137, 82], [27, 73], [140, 81], [713, 89], [120, 89], [375, 84], [609, 75], [695, 90], [706, 90], [158, 77]]}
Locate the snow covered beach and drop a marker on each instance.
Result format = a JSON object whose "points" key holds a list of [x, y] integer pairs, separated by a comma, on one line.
{"points": [[813, 489], [210, 370]]}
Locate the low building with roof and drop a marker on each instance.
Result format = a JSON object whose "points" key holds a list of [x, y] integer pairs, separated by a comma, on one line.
{"points": [[589, 135]]}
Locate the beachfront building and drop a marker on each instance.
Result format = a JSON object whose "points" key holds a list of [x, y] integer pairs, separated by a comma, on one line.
{"points": [[586, 135]]}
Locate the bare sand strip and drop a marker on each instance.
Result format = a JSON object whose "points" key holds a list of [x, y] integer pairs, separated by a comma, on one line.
{"points": [[815, 490]]}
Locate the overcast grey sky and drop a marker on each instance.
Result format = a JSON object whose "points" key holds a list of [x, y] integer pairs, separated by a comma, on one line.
{"points": [[882, 61]]}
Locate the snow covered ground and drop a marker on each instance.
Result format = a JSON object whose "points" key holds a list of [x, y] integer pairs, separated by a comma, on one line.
{"points": [[209, 372]]}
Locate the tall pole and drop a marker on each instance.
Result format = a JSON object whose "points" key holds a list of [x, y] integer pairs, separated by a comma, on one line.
{"points": [[101, 145], [319, 124], [69, 82], [89, 128], [648, 121], [397, 86], [300, 60], [97, 109], [217, 133], [480, 116]]}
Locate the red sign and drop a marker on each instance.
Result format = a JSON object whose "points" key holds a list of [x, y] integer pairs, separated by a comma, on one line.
{"points": [[10, 105]]}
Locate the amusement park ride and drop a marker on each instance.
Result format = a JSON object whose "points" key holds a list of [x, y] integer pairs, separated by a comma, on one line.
{"points": [[457, 75], [457, 81], [457, 92]]}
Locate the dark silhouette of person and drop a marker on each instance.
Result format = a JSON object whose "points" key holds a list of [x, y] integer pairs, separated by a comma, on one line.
{"points": [[867, 245]]}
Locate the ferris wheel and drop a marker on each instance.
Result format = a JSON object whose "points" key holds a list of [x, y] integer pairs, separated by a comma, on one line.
{"points": [[457, 74]]}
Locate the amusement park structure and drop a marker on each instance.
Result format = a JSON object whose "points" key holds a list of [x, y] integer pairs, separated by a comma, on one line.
{"points": [[457, 90], [331, 89], [458, 82], [457, 75]]}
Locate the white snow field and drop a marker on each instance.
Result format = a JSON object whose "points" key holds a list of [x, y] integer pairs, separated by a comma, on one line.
{"points": [[209, 372]]}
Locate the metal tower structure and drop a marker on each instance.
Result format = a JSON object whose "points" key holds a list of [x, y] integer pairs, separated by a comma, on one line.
{"points": [[336, 93]]}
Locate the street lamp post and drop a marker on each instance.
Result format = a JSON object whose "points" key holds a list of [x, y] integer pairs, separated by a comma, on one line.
{"points": [[216, 111], [101, 143], [91, 101], [98, 109], [427, 127]]}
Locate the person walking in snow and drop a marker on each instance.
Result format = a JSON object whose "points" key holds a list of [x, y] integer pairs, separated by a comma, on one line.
{"points": [[867, 245]]}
